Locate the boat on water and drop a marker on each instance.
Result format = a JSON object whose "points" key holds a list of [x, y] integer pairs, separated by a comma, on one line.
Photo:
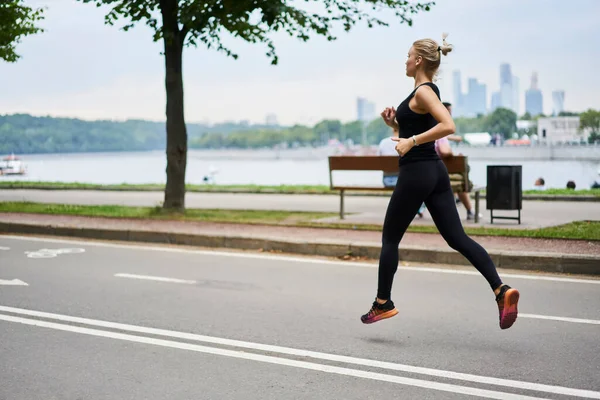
{"points": [[12, 165]]}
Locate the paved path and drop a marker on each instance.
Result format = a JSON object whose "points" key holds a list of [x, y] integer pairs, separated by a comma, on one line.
{"points": [[366, 209], [239, 325]]}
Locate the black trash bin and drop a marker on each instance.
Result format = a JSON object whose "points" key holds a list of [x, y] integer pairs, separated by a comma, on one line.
{"points": [[504, 190]]}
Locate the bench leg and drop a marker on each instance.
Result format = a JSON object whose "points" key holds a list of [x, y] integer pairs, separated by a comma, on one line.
{"points": [[477, 206], [341, 204]]}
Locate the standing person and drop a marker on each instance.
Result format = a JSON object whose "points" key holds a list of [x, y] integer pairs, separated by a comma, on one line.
{"points": [[421, 119]]}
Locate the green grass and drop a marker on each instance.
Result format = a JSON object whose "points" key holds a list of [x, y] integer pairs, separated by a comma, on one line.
{"points": [[580, 230], [585, 230], [564, 192], [111, 211], [316, 189], [298, 189]]}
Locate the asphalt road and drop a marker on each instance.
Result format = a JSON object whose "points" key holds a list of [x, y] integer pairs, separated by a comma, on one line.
{"points": [[111, 321]]}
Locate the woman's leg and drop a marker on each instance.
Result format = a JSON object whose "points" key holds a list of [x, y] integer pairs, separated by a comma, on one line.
{"points": [[412, 188], [442, 209]]}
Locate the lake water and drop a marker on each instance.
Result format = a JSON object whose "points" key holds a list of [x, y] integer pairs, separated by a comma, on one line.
{"points": [[263, 167]]}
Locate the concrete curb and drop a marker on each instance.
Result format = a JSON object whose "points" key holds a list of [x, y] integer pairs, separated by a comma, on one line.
{"points": [[543, 262]]}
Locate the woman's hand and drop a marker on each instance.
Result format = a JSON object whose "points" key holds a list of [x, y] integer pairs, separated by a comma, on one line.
{"points": [[389, 117], [403, 146]]}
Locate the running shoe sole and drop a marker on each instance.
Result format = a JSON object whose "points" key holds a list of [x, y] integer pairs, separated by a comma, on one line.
{"points": [[385, 315], [509, 313]]}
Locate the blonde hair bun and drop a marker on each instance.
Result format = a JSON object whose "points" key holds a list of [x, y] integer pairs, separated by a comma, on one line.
{"points": [[445, 47]]}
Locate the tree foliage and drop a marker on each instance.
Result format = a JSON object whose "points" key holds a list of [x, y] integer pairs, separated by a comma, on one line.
{"points": [[206, 22], [590, 119], [502, 121], [16, 22]]}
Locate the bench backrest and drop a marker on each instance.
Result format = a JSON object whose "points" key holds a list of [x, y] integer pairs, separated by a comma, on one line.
{"points": [[454, 164]]}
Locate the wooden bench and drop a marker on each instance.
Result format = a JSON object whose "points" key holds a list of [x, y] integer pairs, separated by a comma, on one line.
{"points": [[456, 165]]}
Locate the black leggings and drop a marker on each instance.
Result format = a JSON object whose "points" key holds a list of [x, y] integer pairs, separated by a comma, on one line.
{"points": [[418, 182]]}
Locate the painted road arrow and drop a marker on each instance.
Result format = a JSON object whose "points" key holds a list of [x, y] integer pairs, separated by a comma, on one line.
{"points": [[14, 282]]}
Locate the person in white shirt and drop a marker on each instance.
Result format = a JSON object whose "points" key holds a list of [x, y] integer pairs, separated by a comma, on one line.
{"points": [[387, 147]]}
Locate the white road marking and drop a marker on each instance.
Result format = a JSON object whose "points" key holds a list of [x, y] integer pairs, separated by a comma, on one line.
{"points": [[155, 278], [13, 282], [310, 354], [4, 248], [306, 260], [274, 360], [563, 319], [51, 253]]}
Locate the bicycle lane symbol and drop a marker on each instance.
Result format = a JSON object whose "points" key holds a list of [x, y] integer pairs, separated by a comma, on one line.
{"points": [[51, 253]]}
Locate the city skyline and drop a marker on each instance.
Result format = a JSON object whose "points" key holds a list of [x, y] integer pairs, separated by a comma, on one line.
{"points": [[474, 100], [83, 69]]}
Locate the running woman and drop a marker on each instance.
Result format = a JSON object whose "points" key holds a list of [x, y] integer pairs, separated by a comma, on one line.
{"points": [[423, 178]]}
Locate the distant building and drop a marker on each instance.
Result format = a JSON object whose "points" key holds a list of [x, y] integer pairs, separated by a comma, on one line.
{"points": [[508, 95], [365, 110], [496, 101], [558, 102], [560, 130], [516, 103], [473, 102], [523, 125], [457, 104], [533, 98], [271, 120]]}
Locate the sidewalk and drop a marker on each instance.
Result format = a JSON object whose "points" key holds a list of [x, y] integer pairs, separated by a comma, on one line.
{"points": [[570, 256]]}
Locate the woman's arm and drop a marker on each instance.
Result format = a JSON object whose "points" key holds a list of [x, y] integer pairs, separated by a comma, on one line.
{"points": [[428, 102]]}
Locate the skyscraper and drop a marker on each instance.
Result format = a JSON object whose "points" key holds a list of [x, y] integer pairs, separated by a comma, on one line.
{"points": [[558, 102], [516, 104], [505, 74], [509, 89], [533, 98], [506, 91], [476, 98], [365, 110], [506, 96], [496, 101]]}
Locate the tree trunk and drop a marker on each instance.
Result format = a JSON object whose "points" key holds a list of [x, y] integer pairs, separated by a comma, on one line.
{"points": [[176, 129]]}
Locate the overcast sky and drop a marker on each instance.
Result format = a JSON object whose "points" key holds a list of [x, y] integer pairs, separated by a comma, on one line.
{"points": [[81, 68]]}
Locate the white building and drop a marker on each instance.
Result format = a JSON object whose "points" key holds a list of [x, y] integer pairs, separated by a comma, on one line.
{"points": [[560, 130]]}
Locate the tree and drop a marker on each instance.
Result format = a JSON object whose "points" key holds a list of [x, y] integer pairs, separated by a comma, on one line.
{"points": [[377, 130], [16, 21], [469, 125], [526, 116], [181, 23], [328, 129], [352, 131], [567, 114], [590, 120], [503, 121]]}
